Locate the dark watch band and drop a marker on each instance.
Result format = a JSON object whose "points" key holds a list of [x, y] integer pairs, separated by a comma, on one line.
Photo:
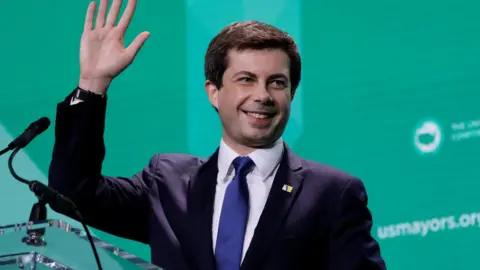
{"points": [[84, 95]]}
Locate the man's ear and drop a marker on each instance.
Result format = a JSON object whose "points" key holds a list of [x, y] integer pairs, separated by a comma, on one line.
{"points": [[212, 92]]}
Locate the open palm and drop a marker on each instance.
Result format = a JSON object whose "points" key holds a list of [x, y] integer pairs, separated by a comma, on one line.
{"points": [[102, 52]]}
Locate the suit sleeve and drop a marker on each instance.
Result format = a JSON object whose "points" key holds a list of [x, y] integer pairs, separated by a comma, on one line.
{"points": [[352, 245], [116, 205]]}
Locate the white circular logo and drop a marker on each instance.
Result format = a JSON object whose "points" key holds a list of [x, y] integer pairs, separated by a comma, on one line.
{"points": [[428, 137]]}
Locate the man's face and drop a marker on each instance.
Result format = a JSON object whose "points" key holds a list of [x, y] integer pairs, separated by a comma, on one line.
{"points": [[254, 101]]}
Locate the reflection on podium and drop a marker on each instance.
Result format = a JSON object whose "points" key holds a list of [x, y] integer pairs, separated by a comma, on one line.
{"points": [[60, 246]]}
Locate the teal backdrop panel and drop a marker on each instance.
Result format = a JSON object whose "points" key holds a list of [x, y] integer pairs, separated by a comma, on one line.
{"points": [[39, 67], [389, 93], [392, 91]]}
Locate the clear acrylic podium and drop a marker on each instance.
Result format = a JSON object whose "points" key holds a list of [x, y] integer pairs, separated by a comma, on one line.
{"points": [[65, 248]]}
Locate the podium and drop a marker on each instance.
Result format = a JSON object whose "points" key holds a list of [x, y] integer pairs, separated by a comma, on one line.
{"points": [[61, 247]]}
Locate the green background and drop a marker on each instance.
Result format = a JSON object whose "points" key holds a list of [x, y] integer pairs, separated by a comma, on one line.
{"points": [[373, 71]]}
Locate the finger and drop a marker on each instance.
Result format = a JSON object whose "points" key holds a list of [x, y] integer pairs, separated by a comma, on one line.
{"points": [[89, 16], [102, 10], [113, 14], [137, 44], [127, 15]]}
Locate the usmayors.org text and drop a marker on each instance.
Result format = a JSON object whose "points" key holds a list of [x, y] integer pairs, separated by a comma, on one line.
{"points": [[425, 227]]}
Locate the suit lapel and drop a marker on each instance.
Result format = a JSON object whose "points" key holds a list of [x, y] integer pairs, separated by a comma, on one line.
{"points": [[285, 188], [200, 211]]}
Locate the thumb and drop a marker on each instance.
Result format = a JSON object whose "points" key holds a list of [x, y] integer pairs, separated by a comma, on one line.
{"points": [[137, 44]]}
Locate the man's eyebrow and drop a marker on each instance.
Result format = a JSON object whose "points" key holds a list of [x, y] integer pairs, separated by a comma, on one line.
{"points": [[278, 76], [271, 77], [244, 72]]}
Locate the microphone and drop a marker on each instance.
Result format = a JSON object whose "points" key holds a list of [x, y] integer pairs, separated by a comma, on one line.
{"points": [[45, 194], [50, 196], [32, 131]]}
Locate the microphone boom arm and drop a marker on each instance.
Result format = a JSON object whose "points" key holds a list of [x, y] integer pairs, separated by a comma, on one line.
{"points": [[46, 196], [12, 171]]}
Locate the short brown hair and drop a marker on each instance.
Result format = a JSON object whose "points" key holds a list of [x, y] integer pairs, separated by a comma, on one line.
{"points": [[249, 35]]}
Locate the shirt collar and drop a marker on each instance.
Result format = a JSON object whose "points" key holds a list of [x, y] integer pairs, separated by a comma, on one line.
{"points": [[265, 159]]}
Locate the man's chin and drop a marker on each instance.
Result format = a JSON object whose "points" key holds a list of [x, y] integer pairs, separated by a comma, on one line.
{"points": [[259, 139]]}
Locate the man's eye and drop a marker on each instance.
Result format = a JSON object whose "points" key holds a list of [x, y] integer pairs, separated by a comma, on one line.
{"points": [[279, 83], [245, 79]]}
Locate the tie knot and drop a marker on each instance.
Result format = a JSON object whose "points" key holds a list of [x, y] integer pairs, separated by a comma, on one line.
{"points": [[242, 164]]}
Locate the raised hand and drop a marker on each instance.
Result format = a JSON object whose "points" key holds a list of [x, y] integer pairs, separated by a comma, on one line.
{"points": [[102, 52]]}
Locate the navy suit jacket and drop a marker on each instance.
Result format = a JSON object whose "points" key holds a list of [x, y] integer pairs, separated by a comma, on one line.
{"points": [[324, 223]]}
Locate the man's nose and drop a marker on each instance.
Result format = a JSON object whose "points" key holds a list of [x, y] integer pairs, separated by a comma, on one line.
{"points": [[261, 94]]}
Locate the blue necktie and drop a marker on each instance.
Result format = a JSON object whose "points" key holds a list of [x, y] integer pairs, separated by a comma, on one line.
{"points": [[233, 218]]}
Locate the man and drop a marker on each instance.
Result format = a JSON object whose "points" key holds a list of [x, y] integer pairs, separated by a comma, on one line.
{"points": [[253, 204]]}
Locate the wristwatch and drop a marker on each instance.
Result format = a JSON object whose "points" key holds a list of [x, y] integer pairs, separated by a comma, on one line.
{"points": [[85, 95]]}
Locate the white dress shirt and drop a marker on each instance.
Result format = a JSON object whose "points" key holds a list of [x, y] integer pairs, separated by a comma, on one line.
{"points": [[259, 182]]}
